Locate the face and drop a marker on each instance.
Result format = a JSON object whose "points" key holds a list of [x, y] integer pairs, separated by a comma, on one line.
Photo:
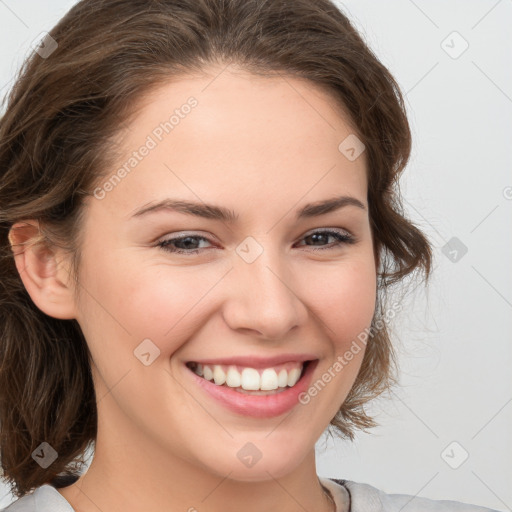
{"points": [[168, 289]]}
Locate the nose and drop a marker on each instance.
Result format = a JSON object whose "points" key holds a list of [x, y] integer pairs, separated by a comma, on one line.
{"points": [[264, 297]]}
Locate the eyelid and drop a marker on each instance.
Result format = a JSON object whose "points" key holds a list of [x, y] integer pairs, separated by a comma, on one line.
{"points": [[327, 228], [183, 234]]}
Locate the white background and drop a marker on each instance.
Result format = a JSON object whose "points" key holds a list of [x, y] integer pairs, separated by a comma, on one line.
{"points": [[454, 338]]}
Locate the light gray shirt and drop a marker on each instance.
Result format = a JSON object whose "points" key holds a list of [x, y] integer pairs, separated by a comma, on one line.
{"points": [[352, 496]]}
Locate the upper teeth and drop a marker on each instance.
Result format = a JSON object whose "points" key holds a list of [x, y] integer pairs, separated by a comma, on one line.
{"points": [[251, 379]]}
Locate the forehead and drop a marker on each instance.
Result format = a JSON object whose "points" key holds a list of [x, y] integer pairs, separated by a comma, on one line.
{"points": [[231, 135]]}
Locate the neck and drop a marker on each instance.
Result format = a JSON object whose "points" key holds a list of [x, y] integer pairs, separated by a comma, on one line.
{"points": [[141, 476]]}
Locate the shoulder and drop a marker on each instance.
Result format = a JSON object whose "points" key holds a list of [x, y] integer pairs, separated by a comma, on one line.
{"points": [[43, 499], [24, 504], [366, 498]]}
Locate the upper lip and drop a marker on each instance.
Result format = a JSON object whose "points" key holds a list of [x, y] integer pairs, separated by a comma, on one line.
{"points": [[256, 361]]}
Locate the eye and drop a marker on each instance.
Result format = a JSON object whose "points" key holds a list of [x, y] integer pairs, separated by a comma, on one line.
{"points": [[188, 244], [185, 241], [341, 237]]}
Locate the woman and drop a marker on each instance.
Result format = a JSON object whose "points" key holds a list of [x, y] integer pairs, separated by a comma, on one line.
{"points": [[199, 222]]}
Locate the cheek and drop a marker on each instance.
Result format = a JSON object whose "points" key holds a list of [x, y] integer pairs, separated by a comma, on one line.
{"points": [[343, 297], [162, 303], [126, 302]]}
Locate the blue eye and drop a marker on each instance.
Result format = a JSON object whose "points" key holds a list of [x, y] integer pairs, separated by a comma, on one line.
{"points": [[188, 243]]}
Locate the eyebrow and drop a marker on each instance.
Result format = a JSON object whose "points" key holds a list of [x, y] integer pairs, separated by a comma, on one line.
{"points": [[210, 211]]}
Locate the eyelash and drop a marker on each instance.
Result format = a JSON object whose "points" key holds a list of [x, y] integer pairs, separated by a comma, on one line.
{"points": [[342, 238]]}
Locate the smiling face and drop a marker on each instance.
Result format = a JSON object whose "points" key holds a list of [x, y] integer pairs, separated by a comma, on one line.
{"points": [[257, 288]]}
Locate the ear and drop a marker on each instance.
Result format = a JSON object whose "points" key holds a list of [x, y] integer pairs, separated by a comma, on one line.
{"points": [[45, 276]]}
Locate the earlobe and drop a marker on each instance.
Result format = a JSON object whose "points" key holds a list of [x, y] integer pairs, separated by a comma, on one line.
{"points": [[47, 282]]}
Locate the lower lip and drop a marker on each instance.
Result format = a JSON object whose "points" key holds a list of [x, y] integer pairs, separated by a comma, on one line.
{"points": [[257, 406]]}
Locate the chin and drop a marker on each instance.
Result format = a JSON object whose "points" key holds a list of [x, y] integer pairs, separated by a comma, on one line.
{"points": [[257, 460]]}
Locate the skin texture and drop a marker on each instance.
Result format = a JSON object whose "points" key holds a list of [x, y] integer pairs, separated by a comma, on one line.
{"points": [[262, 147]]}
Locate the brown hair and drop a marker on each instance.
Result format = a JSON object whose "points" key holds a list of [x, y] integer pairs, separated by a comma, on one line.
{"points": [[61, 116]]}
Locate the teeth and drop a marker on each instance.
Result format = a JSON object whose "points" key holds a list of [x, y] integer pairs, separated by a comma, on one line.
{"points": [[207, 373], [269, 379], [250, 379], [233, 378], [293, 377], [218, 375], [282, 379]]}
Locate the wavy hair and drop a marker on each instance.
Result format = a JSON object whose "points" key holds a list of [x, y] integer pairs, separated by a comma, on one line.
{"points": [[61, 116]]}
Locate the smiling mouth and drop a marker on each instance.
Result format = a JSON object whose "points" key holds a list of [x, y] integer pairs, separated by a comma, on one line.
{"points": [[249, 380]]}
